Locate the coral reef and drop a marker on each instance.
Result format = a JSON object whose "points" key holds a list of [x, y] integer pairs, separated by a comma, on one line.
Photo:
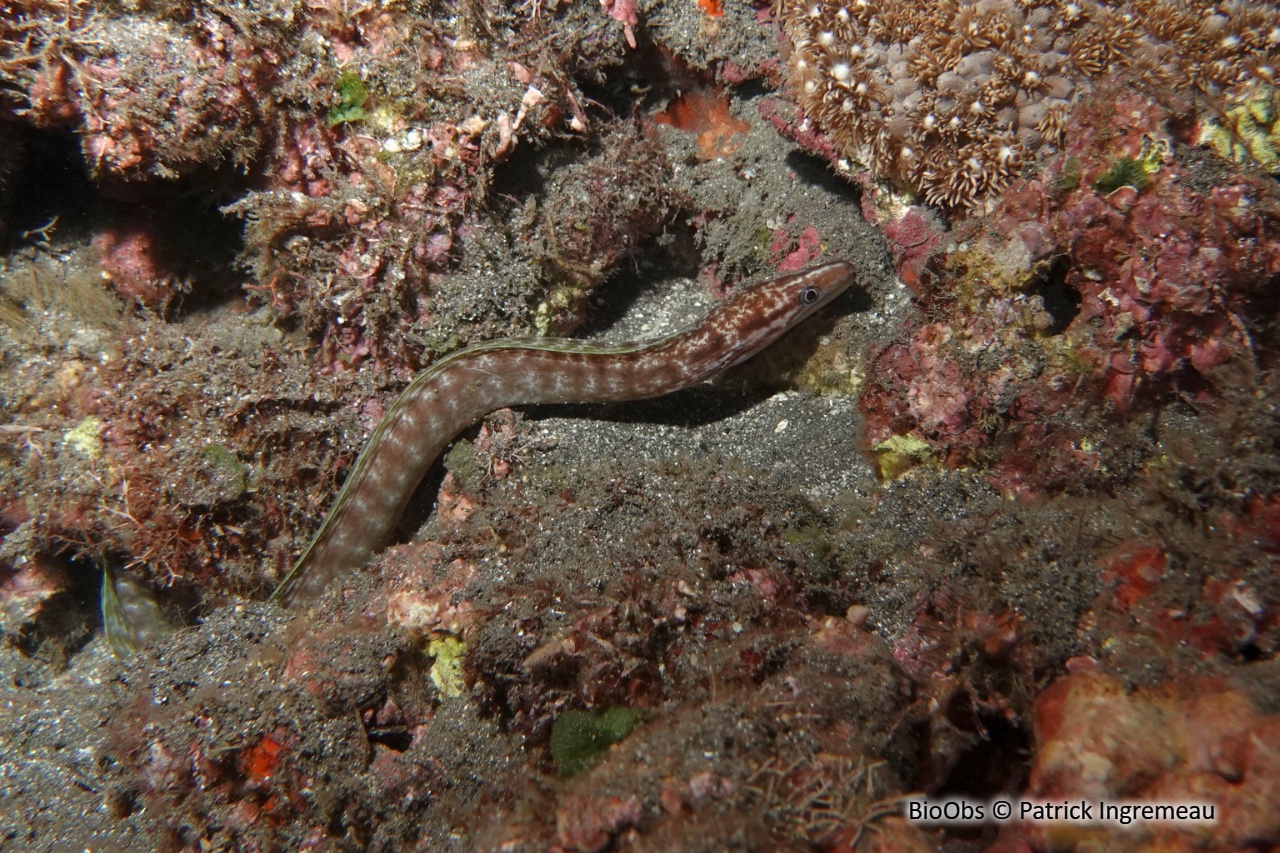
{"points": [[361, 148], [150, 95], [702, 623], [1082, 292], [349, 236], [952, 99], [127, 433], [1205, 741]]}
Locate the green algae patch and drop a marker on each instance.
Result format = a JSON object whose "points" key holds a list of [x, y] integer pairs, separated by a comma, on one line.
{"points": [[813, 538], [578, 738], [1134, 172], [1069, 177], [1124, 172], [85, 437], [463, 462], [227, 472], [1248, 131], [446, 669], [898, 454], [353, 94]]}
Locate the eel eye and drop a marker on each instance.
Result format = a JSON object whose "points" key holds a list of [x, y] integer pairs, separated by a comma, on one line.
{"points": [[809, 295]]}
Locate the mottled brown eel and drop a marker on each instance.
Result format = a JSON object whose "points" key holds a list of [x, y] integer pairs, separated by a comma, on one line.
{"points": [[466, 385]]}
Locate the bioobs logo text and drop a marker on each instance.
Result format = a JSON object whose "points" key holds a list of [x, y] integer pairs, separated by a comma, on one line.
{"points": [[948, 811], [1081, 811]]}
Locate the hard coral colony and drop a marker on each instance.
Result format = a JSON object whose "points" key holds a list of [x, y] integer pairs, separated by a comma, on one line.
{"points": [[951, 99]]}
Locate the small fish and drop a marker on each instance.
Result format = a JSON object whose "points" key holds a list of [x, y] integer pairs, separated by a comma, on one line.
{"points": [[466, 385], [131, 616]]}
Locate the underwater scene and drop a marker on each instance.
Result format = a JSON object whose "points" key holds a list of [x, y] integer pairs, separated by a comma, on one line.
{"points": [[609, 426]]}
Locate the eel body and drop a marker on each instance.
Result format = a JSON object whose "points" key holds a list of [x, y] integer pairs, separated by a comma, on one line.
{"points": [[466, 385]]}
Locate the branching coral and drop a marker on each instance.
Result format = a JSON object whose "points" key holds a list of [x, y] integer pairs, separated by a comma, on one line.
{"points": [[951, 98]]}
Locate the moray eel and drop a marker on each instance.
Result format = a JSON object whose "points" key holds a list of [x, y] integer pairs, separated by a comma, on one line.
{"points": [[466, 385]]}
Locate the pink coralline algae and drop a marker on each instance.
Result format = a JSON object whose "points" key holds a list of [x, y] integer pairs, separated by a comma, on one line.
{"points": [[1232, 611], [912, 239], [588, 824], [793, 257], [1075, 292], [129, 260], [371, 227], [623, 11], [152, 98], [1205, 741]]}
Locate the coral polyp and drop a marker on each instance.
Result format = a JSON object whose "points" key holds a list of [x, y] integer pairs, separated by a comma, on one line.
{"points": [[951, 99]]}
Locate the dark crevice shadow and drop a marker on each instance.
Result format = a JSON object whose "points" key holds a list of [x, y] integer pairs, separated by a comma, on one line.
{"points": [[654, 271], [178, 224], [817, 172], [50, 186]]}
